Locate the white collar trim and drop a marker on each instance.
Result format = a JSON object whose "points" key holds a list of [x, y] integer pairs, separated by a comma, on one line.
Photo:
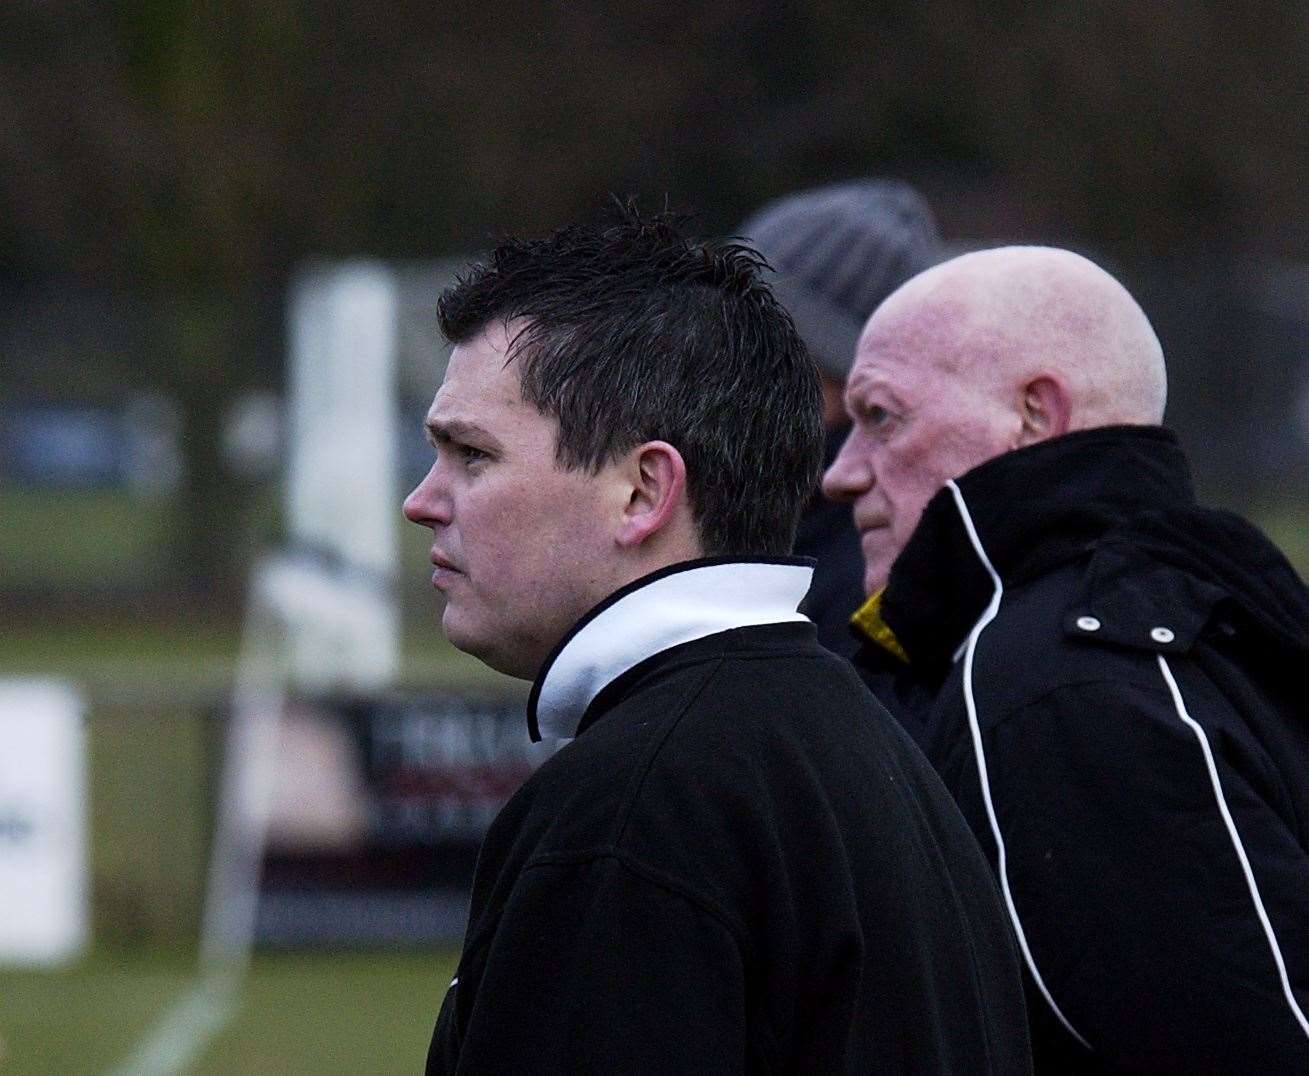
{"points": [[679, 606]]}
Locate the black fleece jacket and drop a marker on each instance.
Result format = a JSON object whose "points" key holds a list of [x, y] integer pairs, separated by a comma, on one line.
{"points": [[741, 864], [1138, 697]]}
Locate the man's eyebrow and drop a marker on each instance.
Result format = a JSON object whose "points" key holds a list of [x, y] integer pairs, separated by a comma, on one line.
{"points": [[859, 386], [454, 429], [858, 389]]}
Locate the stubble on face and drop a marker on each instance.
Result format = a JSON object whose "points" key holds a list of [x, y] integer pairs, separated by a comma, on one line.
{"points": [[525, 538]]}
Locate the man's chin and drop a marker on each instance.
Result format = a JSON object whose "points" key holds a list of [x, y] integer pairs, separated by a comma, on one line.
{"points": [[486, 648], [875, 576]]}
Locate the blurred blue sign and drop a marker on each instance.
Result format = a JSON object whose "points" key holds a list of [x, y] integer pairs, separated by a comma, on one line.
{"points": [[82, 446], [62, 446]]}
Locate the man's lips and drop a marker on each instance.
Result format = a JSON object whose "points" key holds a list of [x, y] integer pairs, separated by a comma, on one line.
{"points": [[443, 563]]}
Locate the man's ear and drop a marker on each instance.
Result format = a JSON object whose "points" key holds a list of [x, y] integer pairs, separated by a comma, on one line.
{"points": [[1046, 410], [657, 476]]}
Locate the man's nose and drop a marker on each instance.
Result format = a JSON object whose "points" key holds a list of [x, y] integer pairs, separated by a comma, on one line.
{"points": [[428, 504], [849, 475]]}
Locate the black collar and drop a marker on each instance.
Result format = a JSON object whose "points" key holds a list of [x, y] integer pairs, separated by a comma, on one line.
{"points": [[1033, 509]]}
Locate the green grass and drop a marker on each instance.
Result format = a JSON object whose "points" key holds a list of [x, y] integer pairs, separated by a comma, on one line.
{"points": [[151, 745], [311, 1013], [67, 538], [197, 660], [82, 1019], [151, 778], [170, 661], [151, 686], [330, 1013]]}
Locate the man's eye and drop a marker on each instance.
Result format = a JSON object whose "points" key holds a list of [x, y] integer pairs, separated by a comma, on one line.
{"points": [[876, 416], [456, 450]]}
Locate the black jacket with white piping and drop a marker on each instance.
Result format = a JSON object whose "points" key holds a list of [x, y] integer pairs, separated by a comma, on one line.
{"points": [[1111, 681]]}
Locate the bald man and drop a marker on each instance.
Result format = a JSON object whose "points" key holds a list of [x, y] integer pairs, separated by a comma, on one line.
{"points": [[1108, 677]]}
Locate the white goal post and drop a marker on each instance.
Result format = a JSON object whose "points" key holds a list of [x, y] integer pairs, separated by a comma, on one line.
{"points": [[321, 614]]}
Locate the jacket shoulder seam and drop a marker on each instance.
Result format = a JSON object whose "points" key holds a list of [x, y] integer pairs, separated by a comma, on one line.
{"points": [[651, 875]]}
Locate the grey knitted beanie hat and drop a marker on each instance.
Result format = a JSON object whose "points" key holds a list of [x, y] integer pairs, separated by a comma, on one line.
{"points": [[838, 251]]}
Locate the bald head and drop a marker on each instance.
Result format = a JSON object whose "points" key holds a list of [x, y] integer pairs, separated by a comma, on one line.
{"points": [[1000, 318], [982, 354]]}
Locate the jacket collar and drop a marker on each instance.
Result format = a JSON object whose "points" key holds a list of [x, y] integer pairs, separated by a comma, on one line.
{"points": [[674, 605], [1034, 509]]}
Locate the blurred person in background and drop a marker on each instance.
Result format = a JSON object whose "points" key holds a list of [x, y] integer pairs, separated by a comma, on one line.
{"points": [[739, 862], [1109, 677], [837, 251]]}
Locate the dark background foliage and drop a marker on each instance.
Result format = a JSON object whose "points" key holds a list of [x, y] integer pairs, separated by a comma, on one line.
{"points": [[166, 165]]}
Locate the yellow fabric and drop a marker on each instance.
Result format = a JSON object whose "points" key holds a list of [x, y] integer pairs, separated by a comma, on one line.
{"points": [[868, 619]]}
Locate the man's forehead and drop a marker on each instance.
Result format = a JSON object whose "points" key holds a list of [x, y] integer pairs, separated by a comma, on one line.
{"points": [[466, 401], [480, 364], [931, 331], [474, 401], [887, 356]]}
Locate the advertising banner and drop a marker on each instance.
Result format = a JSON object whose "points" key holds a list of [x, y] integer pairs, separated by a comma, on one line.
{"points": [[378, 809]]}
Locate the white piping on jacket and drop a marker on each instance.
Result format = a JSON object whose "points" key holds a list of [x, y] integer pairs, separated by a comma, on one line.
{"points": [[970, 704], [1180, 705]]}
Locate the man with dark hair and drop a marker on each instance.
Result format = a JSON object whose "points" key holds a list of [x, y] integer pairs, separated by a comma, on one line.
{"points": [[739, 863], [836, 252]]}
